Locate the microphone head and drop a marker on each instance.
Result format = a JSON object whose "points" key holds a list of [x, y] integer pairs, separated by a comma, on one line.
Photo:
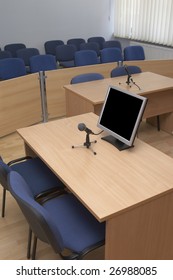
{"points": [[81, 126]]}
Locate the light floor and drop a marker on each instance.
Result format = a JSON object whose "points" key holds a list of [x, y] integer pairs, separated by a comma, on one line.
{"points": [[14, 229]]}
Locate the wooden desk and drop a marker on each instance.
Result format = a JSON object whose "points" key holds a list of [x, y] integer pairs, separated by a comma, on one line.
{"points": [[89, 97], [131, 190]]}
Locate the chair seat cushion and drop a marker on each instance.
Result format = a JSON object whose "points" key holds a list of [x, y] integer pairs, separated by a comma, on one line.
{"points": [[67, 64], [77, 226]]}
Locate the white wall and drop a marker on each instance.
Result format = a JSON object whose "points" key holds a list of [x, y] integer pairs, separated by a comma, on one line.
{"points": [[35, 21]]}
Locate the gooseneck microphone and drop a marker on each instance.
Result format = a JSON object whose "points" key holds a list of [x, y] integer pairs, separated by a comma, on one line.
{"points": [[87, 143], [128, 74], [129, 77], [82, 127]]}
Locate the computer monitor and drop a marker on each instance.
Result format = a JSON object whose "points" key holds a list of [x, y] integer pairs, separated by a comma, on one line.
{"points": [[120, 116]]}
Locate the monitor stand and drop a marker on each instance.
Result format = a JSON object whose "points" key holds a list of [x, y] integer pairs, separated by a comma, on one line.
{"points": [[117, 143]]}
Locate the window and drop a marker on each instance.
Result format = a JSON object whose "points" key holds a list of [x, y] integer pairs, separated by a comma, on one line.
{"points": [[145, 20]]}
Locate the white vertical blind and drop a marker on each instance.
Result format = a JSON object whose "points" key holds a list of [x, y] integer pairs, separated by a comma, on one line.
{"points": [[145, 20]]}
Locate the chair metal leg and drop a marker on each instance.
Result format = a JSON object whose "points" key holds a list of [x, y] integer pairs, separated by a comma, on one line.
{"points": [[3, 203], [29, 243], [34, 247]]}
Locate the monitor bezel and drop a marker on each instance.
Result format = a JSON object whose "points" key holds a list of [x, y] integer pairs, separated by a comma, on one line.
{"points": [[128, 143]]}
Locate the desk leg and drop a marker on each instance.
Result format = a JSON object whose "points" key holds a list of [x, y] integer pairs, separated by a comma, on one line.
{"points": [[145, 232], [166, 122]]}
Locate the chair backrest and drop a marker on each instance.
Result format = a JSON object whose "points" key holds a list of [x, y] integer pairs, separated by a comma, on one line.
{"points": [[98, 39], [110, 55], [50, 46], [65, 52], [42, 62], [11, 68], [76, 41], [134, 53], [39, 220], [12, 48], [91, 46], [121, 71], [4, 171], [86, 78], [5, 54], [85, 57], [26, 53], [65, 55], [112, 44]]}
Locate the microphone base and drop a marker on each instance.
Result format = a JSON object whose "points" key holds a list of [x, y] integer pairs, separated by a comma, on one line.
{"points": [[86, 145], [130, 84]]}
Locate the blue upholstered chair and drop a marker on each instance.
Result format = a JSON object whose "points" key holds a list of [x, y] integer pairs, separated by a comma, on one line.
{"points": [[40, 179], [26, 54], [87, 77], [110, 55], [65, 55], [11, 68], [112, 44], [91, 46], [76, 41], [85, 57], [98, 39], [12, 48], [5, 54], [120, 71], [50, 46], [42, 62], [62, 222], [134, 53]]}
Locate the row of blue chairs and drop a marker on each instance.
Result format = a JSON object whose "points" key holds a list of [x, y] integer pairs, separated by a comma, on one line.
{"points": [[89, 53], [115, 72], [69, 56], [66, 55], [51, 45], [56, 48], [79, 43], [15, 67], [93, 43]]}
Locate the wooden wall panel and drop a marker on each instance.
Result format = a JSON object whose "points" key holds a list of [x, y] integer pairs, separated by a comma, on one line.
{"points": [[19, 103], [20, 97]]}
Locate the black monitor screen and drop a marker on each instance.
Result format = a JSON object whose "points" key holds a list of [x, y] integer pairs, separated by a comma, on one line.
{"points": [[121, 115]]}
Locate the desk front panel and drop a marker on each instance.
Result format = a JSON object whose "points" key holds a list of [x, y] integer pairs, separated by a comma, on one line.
{"points": [[142, 233]]}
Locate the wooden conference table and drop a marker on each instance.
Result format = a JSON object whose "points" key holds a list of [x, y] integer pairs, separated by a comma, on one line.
{"points": [[131, 190], [89, 97]]}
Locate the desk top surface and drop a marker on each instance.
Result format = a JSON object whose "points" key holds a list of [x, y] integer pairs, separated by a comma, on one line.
{"points": [[109, 182], [95, 91]]}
